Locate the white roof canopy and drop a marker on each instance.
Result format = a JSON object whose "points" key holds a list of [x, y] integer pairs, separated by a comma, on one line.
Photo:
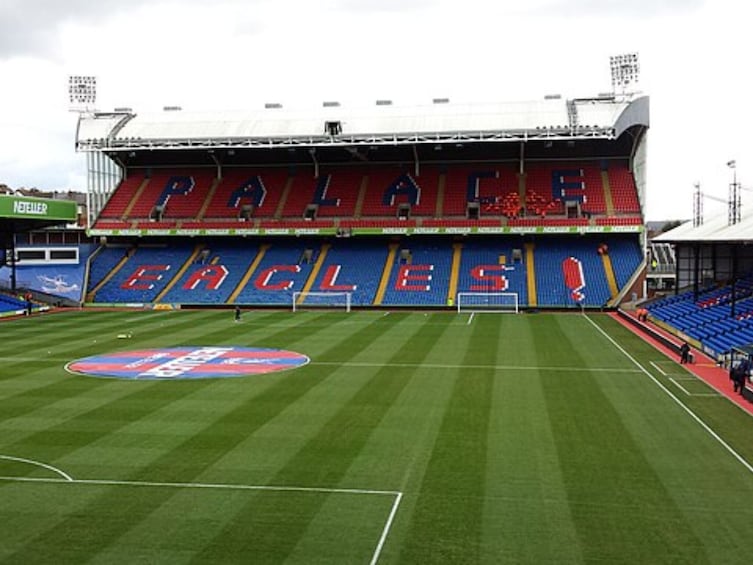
{"points": [[599, 117], [715, 230]]}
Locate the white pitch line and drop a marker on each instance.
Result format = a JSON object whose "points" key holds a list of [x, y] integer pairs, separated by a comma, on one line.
{"points": [[658, 368], [690, 413], [66, 476], [494, 367], [223, 486], [219, 486], [468, 323], [678, 385], [386, 529]]}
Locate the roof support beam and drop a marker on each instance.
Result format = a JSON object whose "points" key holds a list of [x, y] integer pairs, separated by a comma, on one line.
{"points": [[522, 158], [217, 163], [312, 152]]}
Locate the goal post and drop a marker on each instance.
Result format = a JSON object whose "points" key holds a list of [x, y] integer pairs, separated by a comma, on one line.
{"points": [[499, 302], [321, 300]]}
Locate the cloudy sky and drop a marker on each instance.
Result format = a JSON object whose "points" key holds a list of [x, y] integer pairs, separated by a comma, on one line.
{"points": [[237, 54]]}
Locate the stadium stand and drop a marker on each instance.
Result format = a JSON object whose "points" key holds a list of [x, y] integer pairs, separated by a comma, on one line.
{"points": [[105, 263], [117, 205], [147, 272], [493, 265], [283, 268], [709, 318], [193, 199], [181, 193], [624, 193], [405, 210], [419, 274], [213, 274], [261, 188], [11, 305], [355, 267], [570, 273]]}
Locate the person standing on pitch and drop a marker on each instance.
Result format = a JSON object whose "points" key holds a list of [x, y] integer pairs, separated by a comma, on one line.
{"points": [[237, 313]]}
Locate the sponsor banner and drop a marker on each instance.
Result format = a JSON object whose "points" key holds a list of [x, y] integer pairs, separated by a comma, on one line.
{"points": [[373, 231], [197, 362], [38, 208]]}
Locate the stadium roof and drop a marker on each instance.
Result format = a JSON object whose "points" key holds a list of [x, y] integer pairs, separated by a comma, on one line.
{"points": [[23, 213], [601, 117], [715, 230]]}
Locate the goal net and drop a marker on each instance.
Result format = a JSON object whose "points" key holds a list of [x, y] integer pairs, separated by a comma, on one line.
{"points": [[487, 302], [322, 300]]}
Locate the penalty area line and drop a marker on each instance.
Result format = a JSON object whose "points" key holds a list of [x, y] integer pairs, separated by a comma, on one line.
{"points": [[219, 486], [386, 529], [67, 480]]}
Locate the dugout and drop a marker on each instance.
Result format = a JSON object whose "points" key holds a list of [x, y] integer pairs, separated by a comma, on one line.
{"points": [[737, 356]]}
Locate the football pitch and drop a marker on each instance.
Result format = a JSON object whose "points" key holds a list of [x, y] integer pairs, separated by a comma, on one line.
{"points": [[407, 438]]}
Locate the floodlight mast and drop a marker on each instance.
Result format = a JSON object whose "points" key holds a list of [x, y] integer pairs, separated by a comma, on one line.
{"points": [[697, 205], [625, 71], [733, 200], [735, 204], [82, 93], [82, 96]]}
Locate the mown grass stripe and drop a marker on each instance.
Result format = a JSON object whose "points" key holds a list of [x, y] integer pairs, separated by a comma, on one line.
{"points": [[525, 497], [560, 484], [182, 463], [603, 465], [446, 525], [339, 442], [82, 342]]}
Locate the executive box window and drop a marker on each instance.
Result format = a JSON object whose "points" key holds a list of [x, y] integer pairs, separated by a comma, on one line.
{"points": [[63, 254]]}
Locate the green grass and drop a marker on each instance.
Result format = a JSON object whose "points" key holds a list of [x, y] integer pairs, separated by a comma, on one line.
{"points": [[511, 439]]}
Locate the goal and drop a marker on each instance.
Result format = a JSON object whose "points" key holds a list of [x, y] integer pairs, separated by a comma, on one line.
{"points": [[321, 300], [487, 302]]}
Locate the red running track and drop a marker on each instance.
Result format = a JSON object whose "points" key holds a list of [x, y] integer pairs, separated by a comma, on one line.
{"points": [[704, 367]]}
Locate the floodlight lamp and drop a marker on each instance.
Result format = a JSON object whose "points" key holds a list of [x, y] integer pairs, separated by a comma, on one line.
{"points": [[82, 90], [624, 70]]}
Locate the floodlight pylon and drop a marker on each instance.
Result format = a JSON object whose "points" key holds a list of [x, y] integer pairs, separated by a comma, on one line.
{"points": [[625, 70], [82, 92]]}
